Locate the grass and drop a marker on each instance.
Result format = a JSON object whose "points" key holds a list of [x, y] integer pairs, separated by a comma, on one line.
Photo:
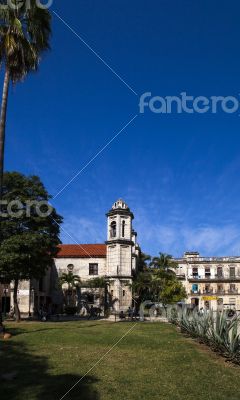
{"points": [[153, 361]]}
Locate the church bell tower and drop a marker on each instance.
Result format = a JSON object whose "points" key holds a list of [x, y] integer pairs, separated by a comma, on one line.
{"points": [[120, 248]]}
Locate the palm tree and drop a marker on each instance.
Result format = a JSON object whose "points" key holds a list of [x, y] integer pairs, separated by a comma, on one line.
{"points": [[69, 282], [163, 272], [164, 262], [101, 282], [25, 30]]}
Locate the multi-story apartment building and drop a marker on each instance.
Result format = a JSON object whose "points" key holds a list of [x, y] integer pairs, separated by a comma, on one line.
{"points": [[210, 282]]}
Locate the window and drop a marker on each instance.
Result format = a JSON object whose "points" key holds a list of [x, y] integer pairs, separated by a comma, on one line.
{"points": [[195, 288], [219, 272], [207, 305], [70, 267], [208, 289], [123, 228], [232, 288], [220, 289], [112, 293], [219, 301], [232, 272], [93, 269], [123, 293], [113, 229], [195, 272], [207, 272], [90, 298]]}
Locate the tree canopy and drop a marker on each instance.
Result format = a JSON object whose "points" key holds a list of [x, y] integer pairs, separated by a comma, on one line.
{"points": [[29, 236], [158, 282], [25, 30]]}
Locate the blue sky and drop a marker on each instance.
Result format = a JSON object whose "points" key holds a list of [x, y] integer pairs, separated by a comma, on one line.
{"points": [[179, 173]]}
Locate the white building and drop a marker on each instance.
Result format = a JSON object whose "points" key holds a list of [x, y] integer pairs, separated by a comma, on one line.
{"points": [[210, 282], [115, 260]]}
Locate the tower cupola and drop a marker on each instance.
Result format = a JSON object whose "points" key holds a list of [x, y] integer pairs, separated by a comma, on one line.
{"points": [[120, 222]]}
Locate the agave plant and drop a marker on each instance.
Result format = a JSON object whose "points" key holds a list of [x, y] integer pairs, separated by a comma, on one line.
{"points": [[234, 341], [217, 330], [202, 324], [225, 336]]}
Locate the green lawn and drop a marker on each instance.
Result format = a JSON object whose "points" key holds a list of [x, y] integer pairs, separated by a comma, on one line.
{"points": [[153, 361]]}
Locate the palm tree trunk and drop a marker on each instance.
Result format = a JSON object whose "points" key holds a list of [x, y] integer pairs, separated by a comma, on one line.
{"points": [[2, 130], [105, 299], [79, 295], [3, 125], [15, 301]]}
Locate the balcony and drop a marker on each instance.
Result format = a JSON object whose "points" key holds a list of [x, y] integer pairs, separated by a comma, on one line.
{"points": [[208, 291], [214, 278], [211, 292], [181, 276], [232, 291], [220, 292], [195, 292]]}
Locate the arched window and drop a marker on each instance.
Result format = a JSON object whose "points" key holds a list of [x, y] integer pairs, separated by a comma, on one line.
{"points": [[113, 229], [123, 228]]}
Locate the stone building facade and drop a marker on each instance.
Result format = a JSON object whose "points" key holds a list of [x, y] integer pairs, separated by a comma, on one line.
{"points": [[115, 260], [210, 282]]}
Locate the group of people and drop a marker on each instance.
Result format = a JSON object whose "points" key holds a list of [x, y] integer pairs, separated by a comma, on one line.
{"points": [[94, 312], [131, 314]]}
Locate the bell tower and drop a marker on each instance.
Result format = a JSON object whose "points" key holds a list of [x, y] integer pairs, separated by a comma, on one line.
{"points": [[120, 247]]}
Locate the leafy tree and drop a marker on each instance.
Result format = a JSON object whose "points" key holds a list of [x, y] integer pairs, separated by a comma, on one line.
{"points": [[172, 292], [158, 283], [98, 282], [28, 241], [165, 286], [25, 30]]}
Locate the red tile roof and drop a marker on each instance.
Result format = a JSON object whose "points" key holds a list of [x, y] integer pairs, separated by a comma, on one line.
{"points": [[82, 250]]}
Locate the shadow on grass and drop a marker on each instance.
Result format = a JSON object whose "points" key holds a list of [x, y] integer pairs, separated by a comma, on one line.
{"points": [[27, 376], [15, 331]]}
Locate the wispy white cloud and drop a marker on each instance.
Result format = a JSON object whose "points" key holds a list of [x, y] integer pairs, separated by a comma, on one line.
{"points": [[172, 233], [175, 236], [208, 240], [83, 230], [212, 239]]}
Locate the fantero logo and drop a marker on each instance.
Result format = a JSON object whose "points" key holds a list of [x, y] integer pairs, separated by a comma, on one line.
{"points": [[18, 209], [184, 103]]}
